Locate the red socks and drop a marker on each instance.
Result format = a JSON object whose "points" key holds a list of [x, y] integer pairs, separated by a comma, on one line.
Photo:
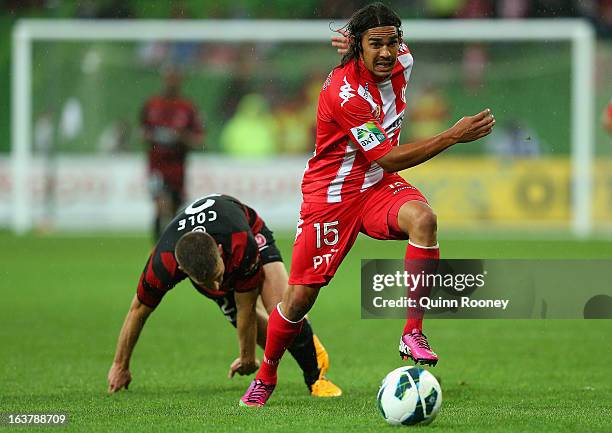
{"points": [[419, 260], [280, 335]]}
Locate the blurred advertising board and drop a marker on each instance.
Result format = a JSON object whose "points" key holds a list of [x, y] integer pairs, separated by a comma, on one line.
{"points": [[87, 192]]}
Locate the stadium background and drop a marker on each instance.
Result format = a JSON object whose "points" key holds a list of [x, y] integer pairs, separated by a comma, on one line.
{"points": [[64, 294], [519, 176]]}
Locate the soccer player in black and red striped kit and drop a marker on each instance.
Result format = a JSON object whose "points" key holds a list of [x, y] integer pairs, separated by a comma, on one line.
{"points": [[171, 127], [228, 253]]}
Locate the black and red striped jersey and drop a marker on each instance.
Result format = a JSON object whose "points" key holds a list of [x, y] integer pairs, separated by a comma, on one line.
{"points": [[232, 224], [164, 120]]}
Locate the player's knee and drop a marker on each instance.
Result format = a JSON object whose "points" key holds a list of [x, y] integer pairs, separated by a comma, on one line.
{"points": [[425, 222]]}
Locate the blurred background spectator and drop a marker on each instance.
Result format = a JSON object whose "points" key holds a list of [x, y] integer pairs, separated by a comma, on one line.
{"points": [[171, 127], [429, 113], [606, 117], [251, 132]]}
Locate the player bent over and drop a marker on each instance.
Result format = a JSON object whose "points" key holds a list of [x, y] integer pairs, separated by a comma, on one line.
{"points": [[225, 249], [351, 186]]}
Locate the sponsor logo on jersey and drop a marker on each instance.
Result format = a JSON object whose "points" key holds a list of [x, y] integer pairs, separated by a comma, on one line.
{"points": [[392, 129], [364, 92], [403, 93], [368, 135], [346, 92]]}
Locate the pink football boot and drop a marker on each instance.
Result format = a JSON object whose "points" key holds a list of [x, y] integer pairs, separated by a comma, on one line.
{"points": [[258, 394], [414, 345]]}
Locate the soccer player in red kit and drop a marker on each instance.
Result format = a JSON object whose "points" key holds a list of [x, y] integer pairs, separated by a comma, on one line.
{"points": [[350, 184], [171, 127]]}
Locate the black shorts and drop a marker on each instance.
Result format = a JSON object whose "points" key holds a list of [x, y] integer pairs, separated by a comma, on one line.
{"points": [[269, 253]]}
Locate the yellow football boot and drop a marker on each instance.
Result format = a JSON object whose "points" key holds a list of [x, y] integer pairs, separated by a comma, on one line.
{"points": [[322, 356], [323, 387]]}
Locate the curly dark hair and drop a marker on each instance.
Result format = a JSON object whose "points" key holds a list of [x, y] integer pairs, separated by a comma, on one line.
{"points": [[370, 16]]}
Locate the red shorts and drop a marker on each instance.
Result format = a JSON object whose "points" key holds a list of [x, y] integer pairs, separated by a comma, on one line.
{"points": [[326, 231]]}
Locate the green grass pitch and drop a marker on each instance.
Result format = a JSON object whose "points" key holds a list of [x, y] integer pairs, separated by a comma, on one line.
{"points": [[64, 300]]}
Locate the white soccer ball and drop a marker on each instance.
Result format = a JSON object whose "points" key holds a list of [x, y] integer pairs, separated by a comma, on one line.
{"points": [[408, 396]]}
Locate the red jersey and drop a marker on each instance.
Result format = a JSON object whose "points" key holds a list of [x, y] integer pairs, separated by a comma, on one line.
{"points": [[359, 118], [164, 119]]}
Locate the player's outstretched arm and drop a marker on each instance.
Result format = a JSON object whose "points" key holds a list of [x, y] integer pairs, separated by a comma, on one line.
{"points": [[246, 326], [469, 128], [119, 375]]}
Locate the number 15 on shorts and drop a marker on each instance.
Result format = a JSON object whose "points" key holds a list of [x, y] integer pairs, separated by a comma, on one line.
{"points": [[327, 233]]}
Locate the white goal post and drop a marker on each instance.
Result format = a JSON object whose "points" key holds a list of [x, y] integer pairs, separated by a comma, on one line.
{"points": [[578, 32]]}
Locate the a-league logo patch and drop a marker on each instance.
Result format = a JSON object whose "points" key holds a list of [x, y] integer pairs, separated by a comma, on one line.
{"points": [[260, 239], [368, 135]]}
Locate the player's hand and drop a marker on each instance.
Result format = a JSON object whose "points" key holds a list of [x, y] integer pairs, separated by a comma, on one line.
{"points": [[340, 42], [190, 140], [471, 128], [242, 368], [118, 378]]}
